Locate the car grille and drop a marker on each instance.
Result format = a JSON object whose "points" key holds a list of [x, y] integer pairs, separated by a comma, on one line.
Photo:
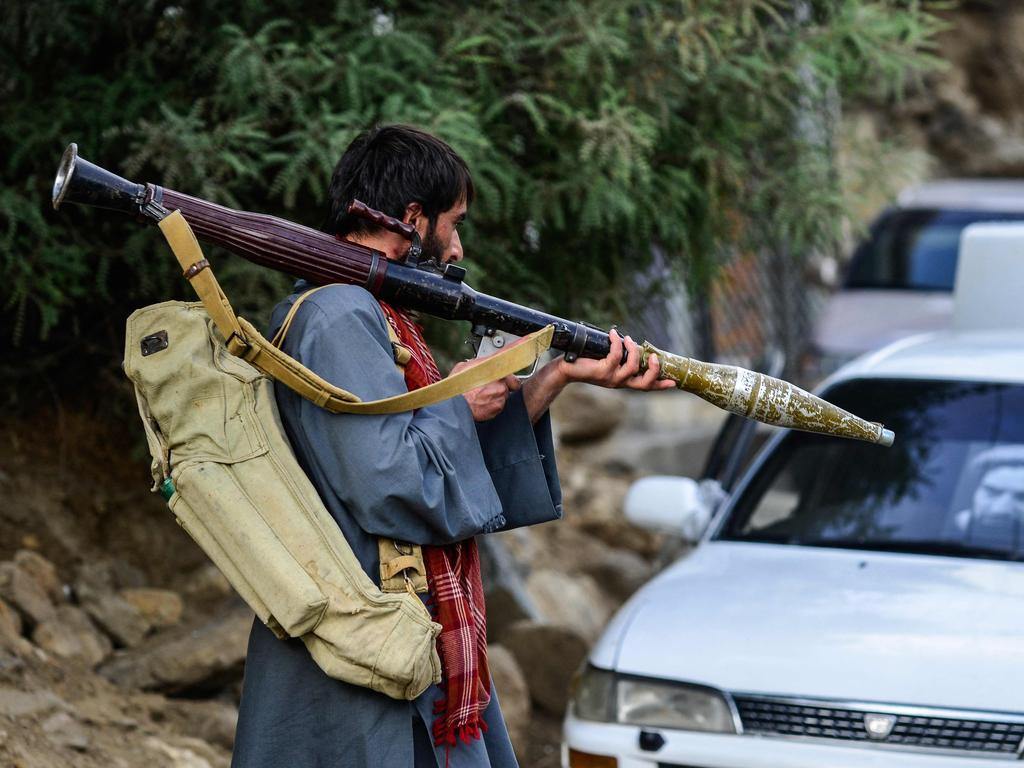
{"points": [[928, 729]]}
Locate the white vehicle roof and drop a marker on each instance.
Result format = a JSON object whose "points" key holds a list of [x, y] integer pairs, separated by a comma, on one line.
{"points": [[986, 342], [972, 194], [972, 356]]}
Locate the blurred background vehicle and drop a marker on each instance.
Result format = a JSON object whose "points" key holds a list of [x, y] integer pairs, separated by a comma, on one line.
{"points": [[845, 605], [900, 279]]}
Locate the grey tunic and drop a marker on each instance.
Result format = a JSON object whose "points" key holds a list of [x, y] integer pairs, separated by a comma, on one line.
{"points": [[433, 476]]}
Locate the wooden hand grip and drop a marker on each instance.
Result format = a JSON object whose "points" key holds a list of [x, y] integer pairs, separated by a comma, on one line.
{"points": [[363, 211]]}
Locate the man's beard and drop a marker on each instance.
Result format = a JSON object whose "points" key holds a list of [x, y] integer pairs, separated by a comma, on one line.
{"points": [[432, 247]]}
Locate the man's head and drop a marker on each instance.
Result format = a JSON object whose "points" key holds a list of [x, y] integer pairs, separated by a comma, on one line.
{"points": [[408, 174], [1000, 492]]}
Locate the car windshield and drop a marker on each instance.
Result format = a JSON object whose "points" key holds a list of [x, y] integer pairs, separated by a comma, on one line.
{"points": [[915, 249], [953, 483]]}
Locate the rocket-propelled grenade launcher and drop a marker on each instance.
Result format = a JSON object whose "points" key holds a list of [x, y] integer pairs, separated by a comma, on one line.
{"points": [[440, 290]]}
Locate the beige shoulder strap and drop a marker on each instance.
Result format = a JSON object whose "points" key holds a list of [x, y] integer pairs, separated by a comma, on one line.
{"points": [[402, 353], [245, 341]]}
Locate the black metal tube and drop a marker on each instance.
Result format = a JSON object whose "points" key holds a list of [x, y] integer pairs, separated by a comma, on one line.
{"points": [[435, 294]]}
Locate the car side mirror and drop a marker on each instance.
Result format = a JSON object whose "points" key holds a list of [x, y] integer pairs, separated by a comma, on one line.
{"points": [[677, 505]]}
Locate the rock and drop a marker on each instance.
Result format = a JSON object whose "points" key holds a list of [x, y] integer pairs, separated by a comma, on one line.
{"points": [[619, 572], [188, 753], [595, 508], [65, 731], [681, 452], [569, 601], [43, 572], [196, 661], [159, 607], [512, 693], [548, 656], [505, 607], [105, 710], [22, 591], [584, 414], [623, 534], [98, 576], [504, 588], [14, 649], [10, 621], [206, 585], [214, 721], [15, 703], [565, 547], [70, 635], [116, 616]]}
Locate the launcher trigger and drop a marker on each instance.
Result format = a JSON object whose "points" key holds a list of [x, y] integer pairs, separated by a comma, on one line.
{"points": [[490, 340]]}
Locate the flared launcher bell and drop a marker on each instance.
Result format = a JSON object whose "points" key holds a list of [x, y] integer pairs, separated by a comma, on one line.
{"points": [[79, 181]]}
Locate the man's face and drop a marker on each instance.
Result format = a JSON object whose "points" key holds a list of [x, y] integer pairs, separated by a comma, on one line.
{"points": [[1000, 493], [441, 241]]}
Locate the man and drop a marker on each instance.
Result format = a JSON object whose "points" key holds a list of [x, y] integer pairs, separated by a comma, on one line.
{"points": [[435, 477], [996, 516]]}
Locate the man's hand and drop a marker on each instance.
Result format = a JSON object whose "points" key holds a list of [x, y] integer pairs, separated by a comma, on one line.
{"points": [[614, 373], [487, 401]]}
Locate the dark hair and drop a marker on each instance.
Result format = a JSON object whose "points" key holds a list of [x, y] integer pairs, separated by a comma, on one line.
{"points": [[389, 167]]}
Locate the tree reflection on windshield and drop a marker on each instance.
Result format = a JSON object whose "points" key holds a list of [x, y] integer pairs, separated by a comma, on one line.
{"points": [[952, 484]]}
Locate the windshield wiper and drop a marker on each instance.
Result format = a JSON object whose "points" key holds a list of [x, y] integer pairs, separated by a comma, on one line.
{"points": [[933, 547]]}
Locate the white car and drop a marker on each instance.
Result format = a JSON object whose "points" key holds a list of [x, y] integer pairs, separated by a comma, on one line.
{"points": [[900, 278], [847, 605]]}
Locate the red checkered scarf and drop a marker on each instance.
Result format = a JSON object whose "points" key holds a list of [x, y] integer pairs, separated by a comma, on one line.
{"points": [[457, 594]]}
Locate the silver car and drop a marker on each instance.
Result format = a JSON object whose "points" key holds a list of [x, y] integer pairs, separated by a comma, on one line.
{"points": [[900, 279]]}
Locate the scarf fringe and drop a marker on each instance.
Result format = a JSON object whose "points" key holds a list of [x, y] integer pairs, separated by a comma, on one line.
{"points": [[448, 735]]}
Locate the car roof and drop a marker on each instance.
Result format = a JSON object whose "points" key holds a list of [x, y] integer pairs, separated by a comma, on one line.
{"points": [[966, 194], [996, 356]]}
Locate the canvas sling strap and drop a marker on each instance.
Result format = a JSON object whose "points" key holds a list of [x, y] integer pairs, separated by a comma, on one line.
{"points": [[243, 340], [401, 564], [402, 568]]}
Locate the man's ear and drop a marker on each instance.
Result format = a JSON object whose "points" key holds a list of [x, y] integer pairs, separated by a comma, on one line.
{"points": [[413, 214]]}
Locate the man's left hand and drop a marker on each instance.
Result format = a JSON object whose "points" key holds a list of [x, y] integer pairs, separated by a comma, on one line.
{"points": [[613, 372]]}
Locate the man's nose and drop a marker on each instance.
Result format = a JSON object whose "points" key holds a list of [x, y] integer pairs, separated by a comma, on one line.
{"points": [[455, 248]]}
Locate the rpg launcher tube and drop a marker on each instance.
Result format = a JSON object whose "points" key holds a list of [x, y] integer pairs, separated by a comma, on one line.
{"points": [[439, 290], [764, 398]]}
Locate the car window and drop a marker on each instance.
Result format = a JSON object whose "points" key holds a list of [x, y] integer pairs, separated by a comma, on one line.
{"points": [[953, 483], [915, 249]]}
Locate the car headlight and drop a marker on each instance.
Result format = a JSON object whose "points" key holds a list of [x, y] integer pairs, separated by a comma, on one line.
{"points": [[610, 698]]}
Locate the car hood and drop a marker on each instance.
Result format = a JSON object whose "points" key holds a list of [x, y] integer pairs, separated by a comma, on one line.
{"points": [[836, 624], [861, 320]]}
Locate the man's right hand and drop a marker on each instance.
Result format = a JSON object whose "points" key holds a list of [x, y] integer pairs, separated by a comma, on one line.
{"points": [[487, 401]]}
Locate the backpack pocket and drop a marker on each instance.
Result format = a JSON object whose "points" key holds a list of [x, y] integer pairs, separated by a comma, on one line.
{"points": [[231, 528]]}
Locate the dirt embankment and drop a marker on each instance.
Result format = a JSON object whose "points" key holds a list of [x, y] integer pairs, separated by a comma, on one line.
{"points": [[121, 645]]}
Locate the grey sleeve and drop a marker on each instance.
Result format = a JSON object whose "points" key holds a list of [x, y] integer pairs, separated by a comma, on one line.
{"points": [[415, 476], [520, 457]]}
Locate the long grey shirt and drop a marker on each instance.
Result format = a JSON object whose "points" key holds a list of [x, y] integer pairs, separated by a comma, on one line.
{"points": [[432, 476]]}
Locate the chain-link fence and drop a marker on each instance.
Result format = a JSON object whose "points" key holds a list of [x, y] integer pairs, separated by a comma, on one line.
{"points": [[758, 301]]}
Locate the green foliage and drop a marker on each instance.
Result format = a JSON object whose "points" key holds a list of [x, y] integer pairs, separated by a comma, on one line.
{"points": [[594, 128]]}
